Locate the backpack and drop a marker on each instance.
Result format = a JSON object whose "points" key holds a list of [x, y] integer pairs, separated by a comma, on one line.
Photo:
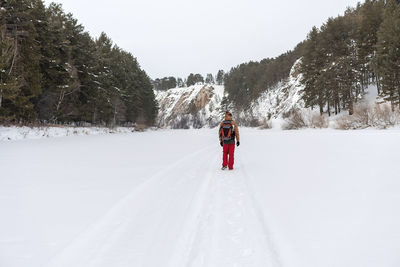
{"points": [[227, 131]]}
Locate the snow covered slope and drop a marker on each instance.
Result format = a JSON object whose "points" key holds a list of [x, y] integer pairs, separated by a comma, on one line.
{"points": [[200, 105], [282, 98], [191, 107], [159, 199]]}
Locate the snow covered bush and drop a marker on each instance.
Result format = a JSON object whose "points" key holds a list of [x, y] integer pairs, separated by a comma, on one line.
{"points": [[379, 116], [319, 121], [181, 123], [266, 124], [295, 120], [362, 115], [344, 123], [23, 132], [298, 119], [384, 117]]}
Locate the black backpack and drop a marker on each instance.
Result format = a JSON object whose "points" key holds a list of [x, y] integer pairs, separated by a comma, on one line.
{"points": [[227, 132]]}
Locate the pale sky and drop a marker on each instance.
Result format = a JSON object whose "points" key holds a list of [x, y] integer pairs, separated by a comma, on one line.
{"points": [[177, 37]]}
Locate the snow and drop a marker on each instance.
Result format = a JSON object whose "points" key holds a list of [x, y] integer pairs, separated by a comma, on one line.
{"points": [[274, 102], [280, 99], [18, 133], [371, 96], [307, 198], [175, 106]]}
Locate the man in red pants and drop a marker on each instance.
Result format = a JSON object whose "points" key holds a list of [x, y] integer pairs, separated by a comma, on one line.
{"points": [[228, 131]]}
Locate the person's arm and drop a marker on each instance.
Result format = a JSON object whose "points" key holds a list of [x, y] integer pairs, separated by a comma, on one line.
{"points": [[236, 131]]}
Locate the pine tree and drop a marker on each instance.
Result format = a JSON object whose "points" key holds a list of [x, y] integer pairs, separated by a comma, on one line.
{"points": [[59, 74], [199, 78], [388, 53], [346, 58], [51, 66], [103, 105], [193, 79], [371, 19], [19, 18], [220, 77], [180, 83], [210, 79], [86, 62], [313, 62], [9, 85]]}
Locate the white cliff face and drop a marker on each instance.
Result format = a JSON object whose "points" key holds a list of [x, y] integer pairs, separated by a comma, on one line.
{"points": [[200, 106], [196, 106], [278, 100]]}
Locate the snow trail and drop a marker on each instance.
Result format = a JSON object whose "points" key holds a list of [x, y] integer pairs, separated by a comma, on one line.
{"points": [[269, 239], [213, 223], [226, 230], [231, 233], [152, 201]]}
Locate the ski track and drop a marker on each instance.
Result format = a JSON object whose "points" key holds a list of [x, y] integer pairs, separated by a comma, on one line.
{"points": [[91, 246], [229, 230], [267, 233], [217, 222]]}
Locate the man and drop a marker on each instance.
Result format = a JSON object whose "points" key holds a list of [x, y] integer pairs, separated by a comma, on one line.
{"points": [[228, 131]]}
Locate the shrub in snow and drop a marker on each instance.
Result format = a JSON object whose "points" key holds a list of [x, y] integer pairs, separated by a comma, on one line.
{"points": [[384, 117], [379, 116], [295, 120], [298, 119], [181, 123], [254, 122], [362, 115], [265, 124], [344, 123], [24, 132], [319, 121], [248, 121]]}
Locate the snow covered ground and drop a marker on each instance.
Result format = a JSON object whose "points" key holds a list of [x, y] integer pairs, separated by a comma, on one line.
{"points": [[18, 133], [306, 198]]}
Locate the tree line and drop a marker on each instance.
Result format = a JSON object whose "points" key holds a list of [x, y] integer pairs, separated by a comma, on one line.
{"points": [[52, 70], [172, 82], [245, 82], [349, 53], [339, 61]]}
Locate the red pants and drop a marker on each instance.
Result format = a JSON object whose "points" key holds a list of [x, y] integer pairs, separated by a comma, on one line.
{"points": [[229, 151]]}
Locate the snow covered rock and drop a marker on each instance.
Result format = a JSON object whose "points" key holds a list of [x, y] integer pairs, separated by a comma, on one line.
{"points": [[196, 106], [278, 100]]}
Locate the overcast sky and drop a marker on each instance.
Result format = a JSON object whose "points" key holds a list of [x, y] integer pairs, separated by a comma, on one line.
{"points": [[176, 37]]}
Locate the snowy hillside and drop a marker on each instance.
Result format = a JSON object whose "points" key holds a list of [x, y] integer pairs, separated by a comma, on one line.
{"points": [[199, 106], [119, 200], [191, 107], [282, 98]]}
